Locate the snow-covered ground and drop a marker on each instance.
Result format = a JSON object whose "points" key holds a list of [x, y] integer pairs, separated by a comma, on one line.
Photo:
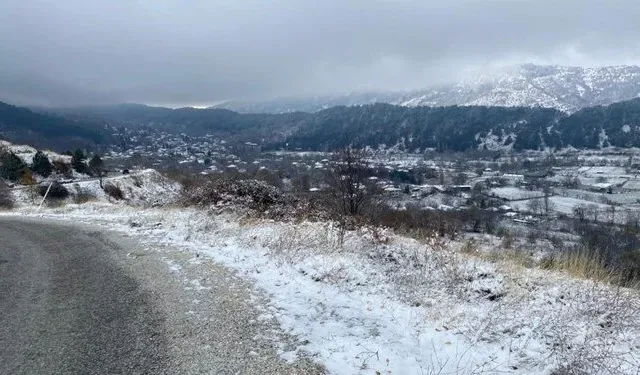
{"points": [[26, 153], [145, 187], [515, 193], [373, 302]]}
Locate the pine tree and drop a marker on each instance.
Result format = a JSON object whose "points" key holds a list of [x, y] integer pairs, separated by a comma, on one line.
{"points": [[41, 164], [11, 166], [77, 161], [96, 167]]}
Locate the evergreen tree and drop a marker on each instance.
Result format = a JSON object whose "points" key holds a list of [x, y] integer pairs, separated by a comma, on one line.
{"points": [[62, 168], [41, 164], [77, 161], [11, 166], [96, 167]]}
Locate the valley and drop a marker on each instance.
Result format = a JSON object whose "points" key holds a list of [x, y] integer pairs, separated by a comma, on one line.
{"points": [[442, 187]]}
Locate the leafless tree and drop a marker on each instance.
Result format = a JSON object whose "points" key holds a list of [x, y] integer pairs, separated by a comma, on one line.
{"points": [[612, 213], [534, 205], [594, 212], [580, 212], [350, 190], [549, 206]]}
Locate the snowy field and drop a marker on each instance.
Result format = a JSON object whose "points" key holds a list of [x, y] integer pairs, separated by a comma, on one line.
{"points": [[374, 302], [513, 193]]}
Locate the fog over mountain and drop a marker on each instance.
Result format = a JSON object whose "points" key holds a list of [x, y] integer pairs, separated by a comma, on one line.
{"points": [[199, 53], [565, 88]]}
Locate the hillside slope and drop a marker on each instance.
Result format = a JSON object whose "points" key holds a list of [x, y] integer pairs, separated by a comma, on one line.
{"points": [[21, 125], [454, 128], [372, 301], [463, 128]]}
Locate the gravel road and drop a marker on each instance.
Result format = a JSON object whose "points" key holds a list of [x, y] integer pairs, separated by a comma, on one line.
{"points": [[82, 300]]}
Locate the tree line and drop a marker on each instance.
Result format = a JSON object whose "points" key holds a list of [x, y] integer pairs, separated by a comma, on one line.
{"points": [[16, 170]]}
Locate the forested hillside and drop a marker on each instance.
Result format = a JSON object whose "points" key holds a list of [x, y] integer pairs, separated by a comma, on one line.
{"points": [[21, 125], [461, 128], [454, 128], [193, 121], [442, 128]]}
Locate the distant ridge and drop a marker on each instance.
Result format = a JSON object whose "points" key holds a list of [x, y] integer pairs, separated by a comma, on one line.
{"points": [[22, 125], [386, 126], [565, 88]]}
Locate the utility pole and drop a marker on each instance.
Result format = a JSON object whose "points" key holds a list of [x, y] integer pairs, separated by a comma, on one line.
{"points": [[45, 195]]}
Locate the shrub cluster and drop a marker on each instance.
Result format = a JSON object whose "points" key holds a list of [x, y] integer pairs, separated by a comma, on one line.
{"points": [[57, 191], [256, 194], [605, 253], [6, 198], [113, 191], [416, 220], [82, 195]]}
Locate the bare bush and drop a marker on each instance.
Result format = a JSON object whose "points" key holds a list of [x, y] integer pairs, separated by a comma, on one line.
{"points": [[56, 192], [607, 317], [213, 191], [350, 192], [6, 198], [604, 254], [535, 205], [113, 191], [62, 168], [508, 240], [137, 180], [580, 212], [423, 223], [82, 195]]}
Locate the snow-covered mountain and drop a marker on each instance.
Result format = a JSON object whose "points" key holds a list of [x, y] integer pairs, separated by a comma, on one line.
{"points": [[565, 88]]}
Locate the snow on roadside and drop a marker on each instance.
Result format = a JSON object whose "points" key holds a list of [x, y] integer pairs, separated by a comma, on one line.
{"points": [[145, 187], [376, 302]]}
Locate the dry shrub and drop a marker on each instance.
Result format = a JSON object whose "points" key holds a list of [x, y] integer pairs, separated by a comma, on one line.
{"points": [[213, 191], [83, 196], [6, 198], [469, 247], [630, 267], [56, 192], [55, 203], [113, 191], [608, 316], [508, 240], [605, 253], [584, 263], [184, 178], [548, 262], [137, 180], [518, 257], [423, 223]]}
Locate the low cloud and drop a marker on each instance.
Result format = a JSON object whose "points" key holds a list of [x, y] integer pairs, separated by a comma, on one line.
{"points": [[197, 52]]}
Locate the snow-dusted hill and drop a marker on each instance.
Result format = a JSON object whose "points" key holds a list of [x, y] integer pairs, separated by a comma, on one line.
{"points": [[26, 153], [562, 87]]}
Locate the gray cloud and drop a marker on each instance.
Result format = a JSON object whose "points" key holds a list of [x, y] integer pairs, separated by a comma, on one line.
{"points": [[199, 52]]}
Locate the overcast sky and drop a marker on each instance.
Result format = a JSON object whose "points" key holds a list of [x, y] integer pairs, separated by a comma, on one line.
{"points": [[182, 52]]}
